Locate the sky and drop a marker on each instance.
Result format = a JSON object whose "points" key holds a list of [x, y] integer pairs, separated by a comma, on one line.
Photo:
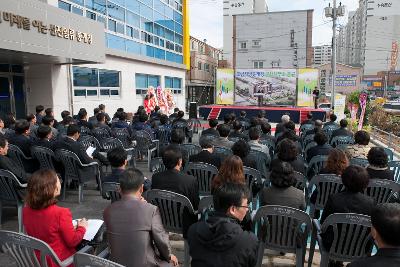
{"points": [[206, 18]]}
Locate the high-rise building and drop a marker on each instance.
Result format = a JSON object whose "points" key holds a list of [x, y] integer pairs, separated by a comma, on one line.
{"points": [[322, 54], [371, 37], [234, 7], [272, 40], [81, 53]]}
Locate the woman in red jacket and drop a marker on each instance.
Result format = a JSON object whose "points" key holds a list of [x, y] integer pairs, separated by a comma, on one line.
{"points": [[44, 220]]}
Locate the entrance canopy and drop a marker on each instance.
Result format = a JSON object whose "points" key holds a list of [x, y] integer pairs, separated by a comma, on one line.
{"points": [[33, 32]]}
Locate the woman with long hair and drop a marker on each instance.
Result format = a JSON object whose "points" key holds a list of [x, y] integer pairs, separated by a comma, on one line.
{"points": [[231, 171], [45, 220]]}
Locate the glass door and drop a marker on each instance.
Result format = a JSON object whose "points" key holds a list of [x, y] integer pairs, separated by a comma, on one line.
{"points": [[5, 98], [19, 96]]}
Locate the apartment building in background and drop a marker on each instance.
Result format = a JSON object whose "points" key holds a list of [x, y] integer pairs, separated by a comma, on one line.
{"points": [[371, 37], [322, 54]]}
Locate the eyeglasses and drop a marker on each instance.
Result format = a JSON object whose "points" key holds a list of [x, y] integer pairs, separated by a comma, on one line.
{"points": [[247, 207]]}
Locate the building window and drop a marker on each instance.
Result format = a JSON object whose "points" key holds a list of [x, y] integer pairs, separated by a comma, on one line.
{"points": [[65, 6], [144, 81], [96, 83], [243, 45], [206, 67], [173, 83], [258, 64], [256, 43], [199, 66]]}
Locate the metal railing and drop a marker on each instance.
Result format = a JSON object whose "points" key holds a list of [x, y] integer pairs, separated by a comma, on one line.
{"points": [[389, 139]]}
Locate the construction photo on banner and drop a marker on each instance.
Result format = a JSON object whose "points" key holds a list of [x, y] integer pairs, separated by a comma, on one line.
{"points": [[306, 82], [225, 87], [269, 86]]}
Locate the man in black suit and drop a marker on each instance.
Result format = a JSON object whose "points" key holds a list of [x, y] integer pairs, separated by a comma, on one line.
{"points": [[50, 113], [332, 121], [44, 135], [7, 164], [21, 137], [82, 119], [266, 132], [342, 131], [237, 131], [70, 143], [102, 108], [93, 120], [243, 117], [118, 159], [174, 180], [385, 219], [206, 155], [213, 123], [49, 121], [309, 119], [39, 114], [102, 122], [174, 115], [322, 147]]}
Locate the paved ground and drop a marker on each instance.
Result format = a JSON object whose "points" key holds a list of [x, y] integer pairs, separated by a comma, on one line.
{"points": [[92, 208]]}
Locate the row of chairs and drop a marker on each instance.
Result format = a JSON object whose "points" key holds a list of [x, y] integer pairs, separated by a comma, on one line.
{"points": [[23, 249], [279, 228]]}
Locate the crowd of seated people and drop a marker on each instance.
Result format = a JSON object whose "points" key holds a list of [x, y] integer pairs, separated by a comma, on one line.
{"points": [[224, 237]]}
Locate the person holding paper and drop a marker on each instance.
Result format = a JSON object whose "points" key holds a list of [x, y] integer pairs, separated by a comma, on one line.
{"points": [[70, 143], [43, 219], [134, 227]]}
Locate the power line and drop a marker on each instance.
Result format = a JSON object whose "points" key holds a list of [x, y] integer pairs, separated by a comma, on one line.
{"points": [[286, 34]]}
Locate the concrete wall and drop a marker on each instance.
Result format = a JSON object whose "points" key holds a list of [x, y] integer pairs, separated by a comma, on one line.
{"points": [[128, 98], [273, 30]]}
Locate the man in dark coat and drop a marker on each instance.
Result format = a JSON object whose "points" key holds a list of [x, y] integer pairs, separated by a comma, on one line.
{"points": [[385, 220], [322, 147], [213, 123], [172, 179], [342, 131], [7, 164], [206, 155], [220, 240]]}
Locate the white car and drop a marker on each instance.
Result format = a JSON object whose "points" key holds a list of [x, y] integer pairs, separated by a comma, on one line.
{"points": [[325, 106]]}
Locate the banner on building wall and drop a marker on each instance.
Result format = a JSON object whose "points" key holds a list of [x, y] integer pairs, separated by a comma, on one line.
{"points": [[225, 86], [340, 105], [306, 82], [269, 86]]}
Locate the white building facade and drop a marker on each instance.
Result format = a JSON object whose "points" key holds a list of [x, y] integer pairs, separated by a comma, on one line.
{"points": [[235, 7], [273, 40], [133, 45], [322, 54], [371, 37]]}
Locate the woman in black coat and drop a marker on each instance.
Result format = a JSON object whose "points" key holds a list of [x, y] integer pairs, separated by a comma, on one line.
{"points": [[288, 152], [352, 200], [378, 164]]}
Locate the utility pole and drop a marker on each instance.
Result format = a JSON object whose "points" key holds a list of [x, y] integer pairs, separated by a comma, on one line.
{"points": [[334, 13]]}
